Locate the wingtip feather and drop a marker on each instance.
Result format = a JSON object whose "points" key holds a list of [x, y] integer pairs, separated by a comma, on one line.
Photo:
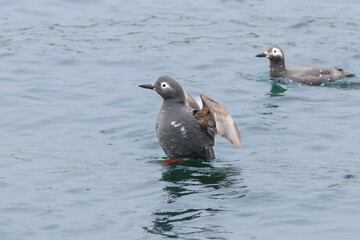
{"points": [[225, 125]]}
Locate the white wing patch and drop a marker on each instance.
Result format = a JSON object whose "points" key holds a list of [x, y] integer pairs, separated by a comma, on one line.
{"points": [[183, 130], [175, 124]]}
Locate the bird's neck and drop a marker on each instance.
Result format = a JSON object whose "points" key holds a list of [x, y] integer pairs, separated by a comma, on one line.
{"points": [[170, 103], [277, 68]]}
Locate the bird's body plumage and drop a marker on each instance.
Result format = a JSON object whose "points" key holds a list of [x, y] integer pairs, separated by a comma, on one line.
{"points": [[180, 135], [184, 130]]}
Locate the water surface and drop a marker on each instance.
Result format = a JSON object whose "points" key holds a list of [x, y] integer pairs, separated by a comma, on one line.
{"points": [[79, 153]]}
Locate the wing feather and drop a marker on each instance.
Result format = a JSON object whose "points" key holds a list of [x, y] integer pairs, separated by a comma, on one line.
{"points": [[215, 116], [190, 101]]}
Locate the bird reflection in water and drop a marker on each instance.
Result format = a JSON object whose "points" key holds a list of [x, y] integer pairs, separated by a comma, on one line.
{"points": [[277, 89], [280, 85], [194, 190]]}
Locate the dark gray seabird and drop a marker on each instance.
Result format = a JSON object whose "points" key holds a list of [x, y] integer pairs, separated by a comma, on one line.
{"points": [[188, 132], [310, 75]]}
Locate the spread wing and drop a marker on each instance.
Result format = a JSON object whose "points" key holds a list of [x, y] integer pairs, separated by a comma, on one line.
{"points": [[190, 101], [213, 117]]}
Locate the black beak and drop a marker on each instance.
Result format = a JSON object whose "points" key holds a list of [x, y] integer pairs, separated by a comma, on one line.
{"points": [[261, 55], [148, 86]]}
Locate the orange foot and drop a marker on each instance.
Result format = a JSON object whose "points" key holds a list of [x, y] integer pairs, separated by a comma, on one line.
{"points": [[170, 161]]}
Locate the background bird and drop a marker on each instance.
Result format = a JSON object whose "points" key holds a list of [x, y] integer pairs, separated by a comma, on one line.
{"points": [[310, 75]]}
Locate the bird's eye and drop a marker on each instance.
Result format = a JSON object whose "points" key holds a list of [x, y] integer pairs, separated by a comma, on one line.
{"points": [[163, 85], [276, 52]]}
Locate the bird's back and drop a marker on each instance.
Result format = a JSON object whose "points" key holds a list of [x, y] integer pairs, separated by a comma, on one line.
{"points": [[313, 75]]}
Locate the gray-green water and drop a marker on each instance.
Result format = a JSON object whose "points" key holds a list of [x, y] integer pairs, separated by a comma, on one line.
{"points": [[79, 157]]}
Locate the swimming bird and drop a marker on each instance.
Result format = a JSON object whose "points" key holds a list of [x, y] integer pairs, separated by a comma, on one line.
{"points": [[185, 132], [310, 75]]}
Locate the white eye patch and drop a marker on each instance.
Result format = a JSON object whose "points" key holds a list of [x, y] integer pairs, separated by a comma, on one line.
{"points": [[276, 52], [164, 85]]}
